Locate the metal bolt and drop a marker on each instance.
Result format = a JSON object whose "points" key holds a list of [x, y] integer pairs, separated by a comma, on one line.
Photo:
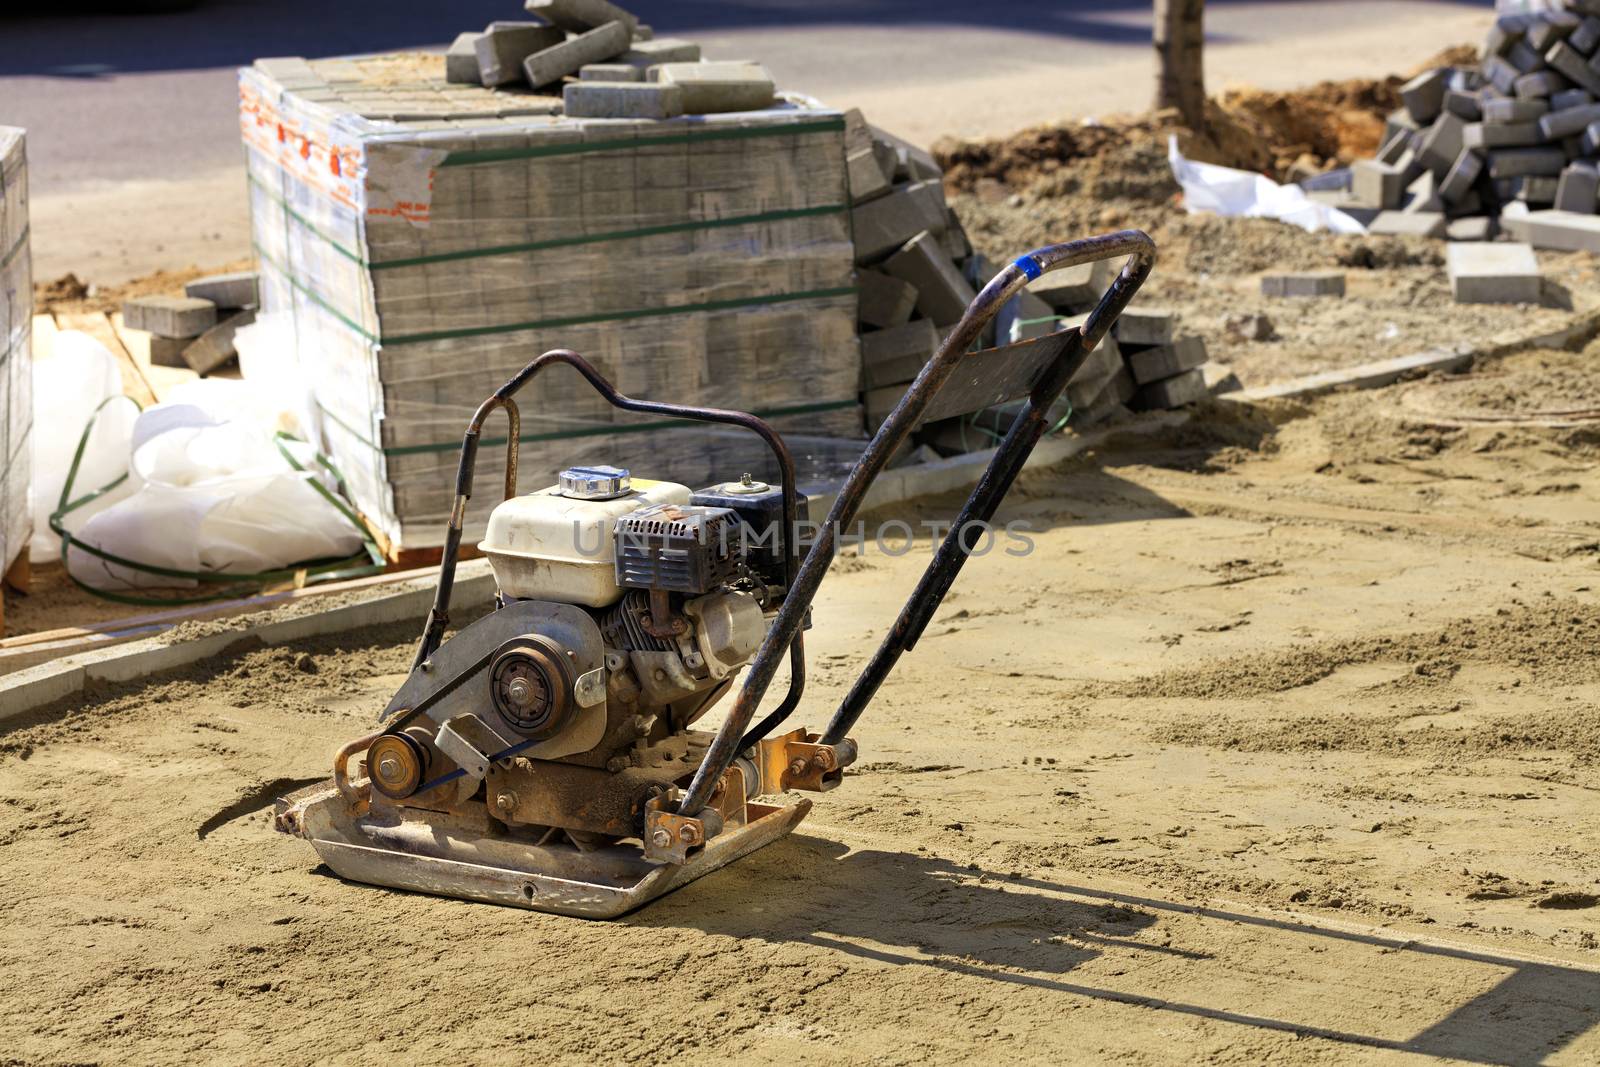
{"points": [[661, 839], [688, 834], [797, 767], [823, 761], [506, 801]]}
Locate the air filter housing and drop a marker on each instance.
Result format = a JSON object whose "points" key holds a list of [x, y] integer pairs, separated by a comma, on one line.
{"points": [[681, 548]]}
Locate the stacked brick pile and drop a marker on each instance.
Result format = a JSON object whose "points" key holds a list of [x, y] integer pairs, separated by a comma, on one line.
{"points": [[195, 330], [1514, 139], [426, 237]]}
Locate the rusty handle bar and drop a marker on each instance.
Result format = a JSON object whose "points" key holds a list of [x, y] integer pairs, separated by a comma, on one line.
{"points": [[973, 521], [1003, 469], [439, 614]]}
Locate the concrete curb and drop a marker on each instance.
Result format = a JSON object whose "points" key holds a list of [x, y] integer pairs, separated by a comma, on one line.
{"points": [[33, 687], [1580, 329]]}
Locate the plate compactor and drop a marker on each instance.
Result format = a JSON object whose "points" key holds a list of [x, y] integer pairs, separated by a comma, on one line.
{"points": [[545, 755]]}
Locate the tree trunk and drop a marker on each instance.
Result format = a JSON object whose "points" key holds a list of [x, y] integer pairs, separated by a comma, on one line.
{"points": [[1180, 65]]}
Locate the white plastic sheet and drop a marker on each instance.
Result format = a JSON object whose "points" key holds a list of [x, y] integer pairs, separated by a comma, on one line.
{"points": [[80, 375], [1216, 190], [208, 494]]}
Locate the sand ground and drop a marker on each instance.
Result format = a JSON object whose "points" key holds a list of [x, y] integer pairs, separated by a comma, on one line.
{"points": [[1280, 746]]}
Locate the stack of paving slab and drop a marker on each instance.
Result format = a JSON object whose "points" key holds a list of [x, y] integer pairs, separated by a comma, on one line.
{"points": [[1512, 144], [195, 330], [427, 234], [16, 362], [917, 273]]}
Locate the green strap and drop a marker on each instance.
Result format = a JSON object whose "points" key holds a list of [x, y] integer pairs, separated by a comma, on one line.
{"points": [[16, 246], [696, 135], [312, 295], [689, 226], [620, 316], [310, 226], [545, 324], [608, 430]]}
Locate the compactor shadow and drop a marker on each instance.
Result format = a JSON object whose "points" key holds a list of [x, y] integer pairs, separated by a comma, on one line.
{"points": [[983, 924]]}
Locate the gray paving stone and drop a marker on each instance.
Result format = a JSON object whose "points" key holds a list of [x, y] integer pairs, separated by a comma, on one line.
{"points": [[1578, 188], [884, 224], [1187, 388], [1146, 325], [621, 100], [579, 16], [895, 356], [169, 316], [711, 88], [1399, 223], [236, 290], [1165, 361], [610, 72], [1303, 284], [1423, 95], [461, 60], [942, 293], [884, 301], [550, 65], [1493, 273], [502, 48]]}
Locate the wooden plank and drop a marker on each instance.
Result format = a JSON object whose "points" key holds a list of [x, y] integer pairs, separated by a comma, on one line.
{"points": [[137, 343], [96, 325]]}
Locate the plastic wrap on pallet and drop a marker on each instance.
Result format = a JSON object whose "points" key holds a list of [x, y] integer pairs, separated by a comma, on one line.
{"points": [[16, 362], [430, 239]]}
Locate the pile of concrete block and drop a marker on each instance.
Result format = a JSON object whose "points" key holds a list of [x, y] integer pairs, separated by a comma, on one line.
{"points": [[917, 272], [605, 64], [16, 361], [426, 239], [1512, 144], [1147, 362], [195, 330]]}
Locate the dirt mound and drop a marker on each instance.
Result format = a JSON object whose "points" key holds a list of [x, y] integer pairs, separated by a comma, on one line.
{"points": [[1284, 134]]}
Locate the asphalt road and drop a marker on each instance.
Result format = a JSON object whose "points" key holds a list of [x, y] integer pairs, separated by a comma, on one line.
{"points": [[134, 149]]}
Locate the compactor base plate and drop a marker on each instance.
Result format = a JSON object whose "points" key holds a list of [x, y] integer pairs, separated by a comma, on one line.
{"points": [[428, 852]]}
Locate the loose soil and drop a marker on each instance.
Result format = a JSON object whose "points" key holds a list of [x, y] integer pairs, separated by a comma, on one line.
{"points": [[1280, 746], [1064, 180]]}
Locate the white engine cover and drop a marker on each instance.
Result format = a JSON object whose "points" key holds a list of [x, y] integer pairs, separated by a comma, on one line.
{"points": [[547, 546]]}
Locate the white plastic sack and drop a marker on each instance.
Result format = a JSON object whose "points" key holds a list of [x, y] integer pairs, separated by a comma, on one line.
{"points": [[1214, 190], [80, 374], [208, 496]]}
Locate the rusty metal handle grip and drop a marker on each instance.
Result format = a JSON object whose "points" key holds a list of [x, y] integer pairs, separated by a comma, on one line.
{"points": [[907, 413]]}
